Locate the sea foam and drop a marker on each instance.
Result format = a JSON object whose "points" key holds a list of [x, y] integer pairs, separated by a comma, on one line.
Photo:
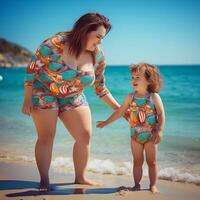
{"points": [[107, 166]]}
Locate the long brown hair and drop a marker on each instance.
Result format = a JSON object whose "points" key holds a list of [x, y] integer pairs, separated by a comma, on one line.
{"points": [[87, 23], [152, 75]]}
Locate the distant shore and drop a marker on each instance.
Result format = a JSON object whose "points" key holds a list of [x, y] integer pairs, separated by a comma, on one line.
{"points": [[13, 55]]}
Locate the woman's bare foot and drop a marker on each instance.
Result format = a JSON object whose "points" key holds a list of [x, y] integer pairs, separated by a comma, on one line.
{"points": [[44, 186], [136, 187], [122, 190], [154, 189], [87, 182]]}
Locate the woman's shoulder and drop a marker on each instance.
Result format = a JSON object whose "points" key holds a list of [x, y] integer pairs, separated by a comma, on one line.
{"points": [[51, 45], [99, 54], [56, 41]]}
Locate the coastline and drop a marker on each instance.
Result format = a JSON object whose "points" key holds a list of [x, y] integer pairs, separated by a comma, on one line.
{"points": [[20, 181]]}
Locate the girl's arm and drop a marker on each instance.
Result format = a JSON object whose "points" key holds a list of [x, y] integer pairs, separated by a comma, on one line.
{"points": [[161, 116], [117, 114]]}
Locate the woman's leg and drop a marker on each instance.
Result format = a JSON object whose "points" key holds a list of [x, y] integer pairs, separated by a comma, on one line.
{"points": [[45, 123], [78, 122], [151, 158], [138, 159]]}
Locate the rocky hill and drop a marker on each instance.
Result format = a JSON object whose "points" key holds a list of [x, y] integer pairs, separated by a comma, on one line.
{"points": [[13, 55]]}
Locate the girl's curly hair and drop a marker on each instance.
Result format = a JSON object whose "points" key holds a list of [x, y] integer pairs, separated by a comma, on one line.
{"points": [[152, 75]]}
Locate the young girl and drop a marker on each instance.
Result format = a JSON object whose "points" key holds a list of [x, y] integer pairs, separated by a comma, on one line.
{"points": [[147, 120]]}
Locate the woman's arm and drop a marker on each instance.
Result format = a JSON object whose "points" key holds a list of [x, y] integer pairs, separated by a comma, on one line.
{"points": [[99, 85], [27, 105], [117, 114], [161, 116], [110, 101], [39, 59], [31, 72]]}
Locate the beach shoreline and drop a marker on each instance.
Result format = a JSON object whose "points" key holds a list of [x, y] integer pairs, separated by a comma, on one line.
{"points": [[20, 180]]}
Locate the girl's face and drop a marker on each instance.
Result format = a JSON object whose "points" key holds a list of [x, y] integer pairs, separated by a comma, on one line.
{"points": [[95, 38], [139, 82]]}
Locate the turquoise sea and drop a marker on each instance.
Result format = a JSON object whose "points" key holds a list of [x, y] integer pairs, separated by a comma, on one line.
{"points": [[179, 152]]}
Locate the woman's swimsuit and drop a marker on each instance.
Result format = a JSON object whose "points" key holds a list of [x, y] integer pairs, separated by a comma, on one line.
{"points": [[143, 118], [57, 86]]}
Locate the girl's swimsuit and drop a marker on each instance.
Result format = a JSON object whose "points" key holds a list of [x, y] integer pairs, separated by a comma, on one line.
{"points": [[143, 118], [57, 86]]}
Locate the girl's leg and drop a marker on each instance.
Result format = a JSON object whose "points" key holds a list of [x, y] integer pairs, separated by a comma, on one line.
{"points": [[138, 159], [151, 158], [78, 123], [45, 123]]}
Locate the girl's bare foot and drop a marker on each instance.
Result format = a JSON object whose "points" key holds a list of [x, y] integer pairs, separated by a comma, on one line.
{"points": [[136, 187], [87, 182], [154, 189]]}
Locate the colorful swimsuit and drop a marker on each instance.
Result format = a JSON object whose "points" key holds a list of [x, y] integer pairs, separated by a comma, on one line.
{"points": [[143, 118], [57, 86]]}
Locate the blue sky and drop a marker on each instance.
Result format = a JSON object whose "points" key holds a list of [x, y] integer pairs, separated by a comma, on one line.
{"points": [[157, 31]]}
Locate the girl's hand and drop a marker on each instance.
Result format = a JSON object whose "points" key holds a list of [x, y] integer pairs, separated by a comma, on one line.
{"points": [[157, 137], [101, 124], [27, 107]]}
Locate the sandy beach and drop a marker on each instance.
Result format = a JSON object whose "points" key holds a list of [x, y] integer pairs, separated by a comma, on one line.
{"points": [[20, 181]]}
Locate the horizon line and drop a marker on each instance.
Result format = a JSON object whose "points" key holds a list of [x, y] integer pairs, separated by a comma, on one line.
{"points": [[116, 65]]}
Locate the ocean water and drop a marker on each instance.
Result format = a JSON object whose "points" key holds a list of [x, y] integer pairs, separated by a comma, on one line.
{"points": [[178, 153]]}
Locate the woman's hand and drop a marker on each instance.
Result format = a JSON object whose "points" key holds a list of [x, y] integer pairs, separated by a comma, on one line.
{"points": [[27, 107], [101, 124], [127, 115]]}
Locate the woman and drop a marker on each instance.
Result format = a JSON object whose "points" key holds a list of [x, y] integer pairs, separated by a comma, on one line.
{"points": [[60, 69]]}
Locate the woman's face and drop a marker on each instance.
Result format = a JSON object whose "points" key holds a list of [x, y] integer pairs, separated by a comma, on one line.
{"points": [[95, 38]]}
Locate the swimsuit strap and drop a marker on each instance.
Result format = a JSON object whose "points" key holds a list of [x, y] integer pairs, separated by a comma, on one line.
{"points": [[132, 97], [148, 99]]}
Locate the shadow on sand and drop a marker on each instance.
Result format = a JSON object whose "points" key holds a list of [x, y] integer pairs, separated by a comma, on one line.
{"points": [[58, 189]]}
